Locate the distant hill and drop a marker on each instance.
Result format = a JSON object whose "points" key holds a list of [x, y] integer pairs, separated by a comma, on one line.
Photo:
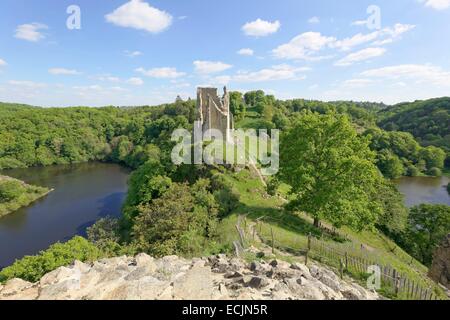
{"points": [[428, 121]]}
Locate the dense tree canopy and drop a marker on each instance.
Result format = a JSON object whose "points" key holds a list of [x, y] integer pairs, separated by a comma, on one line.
{"points": [[331, 170], [428, 121]]}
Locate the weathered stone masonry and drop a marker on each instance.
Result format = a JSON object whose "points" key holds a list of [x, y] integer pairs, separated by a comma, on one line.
{"points": [[215, 111]]}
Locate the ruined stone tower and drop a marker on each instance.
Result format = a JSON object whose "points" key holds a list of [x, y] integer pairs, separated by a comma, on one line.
{"points": [[214, 111]]}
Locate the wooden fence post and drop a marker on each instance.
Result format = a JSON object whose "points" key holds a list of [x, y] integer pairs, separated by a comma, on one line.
{"points": [[341, 268], [273, 240], [346, 261], [397, 283]]}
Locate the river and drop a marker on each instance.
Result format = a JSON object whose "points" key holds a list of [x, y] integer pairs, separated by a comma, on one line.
{"points": [[419, 190], [82, 194]]}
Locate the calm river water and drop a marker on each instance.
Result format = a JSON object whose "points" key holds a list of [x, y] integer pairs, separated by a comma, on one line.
{"points": [[419, 190], [83, 194]]}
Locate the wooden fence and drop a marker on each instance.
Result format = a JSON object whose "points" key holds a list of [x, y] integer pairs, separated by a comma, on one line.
{"points": [[393, 282]]}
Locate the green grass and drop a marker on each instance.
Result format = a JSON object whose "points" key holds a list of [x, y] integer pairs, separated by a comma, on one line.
{"points": [[30, 194], [291, 231]]}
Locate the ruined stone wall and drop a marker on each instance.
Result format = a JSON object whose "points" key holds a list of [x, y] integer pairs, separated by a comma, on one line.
{"points": [[214, 111]]}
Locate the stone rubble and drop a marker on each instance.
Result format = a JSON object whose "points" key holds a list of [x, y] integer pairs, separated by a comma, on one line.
{"points": [[175, 278]]}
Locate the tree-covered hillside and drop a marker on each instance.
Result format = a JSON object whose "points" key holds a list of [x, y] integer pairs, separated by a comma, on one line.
{"points": [[428, 121]]}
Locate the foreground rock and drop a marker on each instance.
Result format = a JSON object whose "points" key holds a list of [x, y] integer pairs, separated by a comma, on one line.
{"points": [[214, 278]]}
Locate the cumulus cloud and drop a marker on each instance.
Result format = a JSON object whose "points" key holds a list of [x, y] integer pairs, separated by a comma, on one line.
{"points": [[260, 28], [63, 71], [415, 72], [361, 55], [135, 81], [437, 4], [140, 15], [306, 45], [2, 62], [246, 52], [162, 73], [30, 31], [208, 67], [303, 46]]}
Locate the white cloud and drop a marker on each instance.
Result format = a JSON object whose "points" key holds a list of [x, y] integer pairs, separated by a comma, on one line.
{"points": [[63, 71], [135, 81], [278, 72], [314, 20], [2, 62], [27, 84], [133, 54], [107, 77], [306, 45], [303, 46], [437, 4], [380, 37], [358, 39], [162, 73], [260, 28], [208, 67], [274, 73], [140, 15], [418, 73], [30, 32], [361, 55], [246, 52]]}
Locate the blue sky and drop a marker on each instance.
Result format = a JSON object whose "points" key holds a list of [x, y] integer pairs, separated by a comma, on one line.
{"points": [[147, 52]]}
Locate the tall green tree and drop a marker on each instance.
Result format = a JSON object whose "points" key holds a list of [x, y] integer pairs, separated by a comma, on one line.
{"points": [[331, 171]]}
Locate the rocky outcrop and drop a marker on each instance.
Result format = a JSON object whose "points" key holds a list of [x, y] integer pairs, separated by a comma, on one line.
{"points": [[213, 278], [440, 268]]}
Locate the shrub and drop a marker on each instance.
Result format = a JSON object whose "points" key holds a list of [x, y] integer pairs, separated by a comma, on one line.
{"points": [[10, 190], [412, 171], [10, 163], [435, 172], [32, 268]]}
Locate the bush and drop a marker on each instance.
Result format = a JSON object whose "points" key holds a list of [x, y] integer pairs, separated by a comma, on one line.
{"points": [[412, 171], [10, 190], [182, 221], [10, 163], [32, 268], [435, 172]]}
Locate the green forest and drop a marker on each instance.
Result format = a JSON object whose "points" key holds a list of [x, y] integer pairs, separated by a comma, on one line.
{"points": [[349, 153]]}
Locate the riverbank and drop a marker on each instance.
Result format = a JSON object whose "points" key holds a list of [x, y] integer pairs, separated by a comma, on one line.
{"points": [[15, 194]]}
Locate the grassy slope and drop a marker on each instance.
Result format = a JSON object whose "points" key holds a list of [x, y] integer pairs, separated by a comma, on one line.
{"points": [[290, 231], [31, 194]]}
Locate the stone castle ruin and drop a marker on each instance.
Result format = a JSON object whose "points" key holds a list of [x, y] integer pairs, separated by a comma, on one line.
{"points": [[214, 111]]}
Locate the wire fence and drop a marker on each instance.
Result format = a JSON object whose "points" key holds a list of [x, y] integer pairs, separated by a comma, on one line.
{"points": [[393, 282]]}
